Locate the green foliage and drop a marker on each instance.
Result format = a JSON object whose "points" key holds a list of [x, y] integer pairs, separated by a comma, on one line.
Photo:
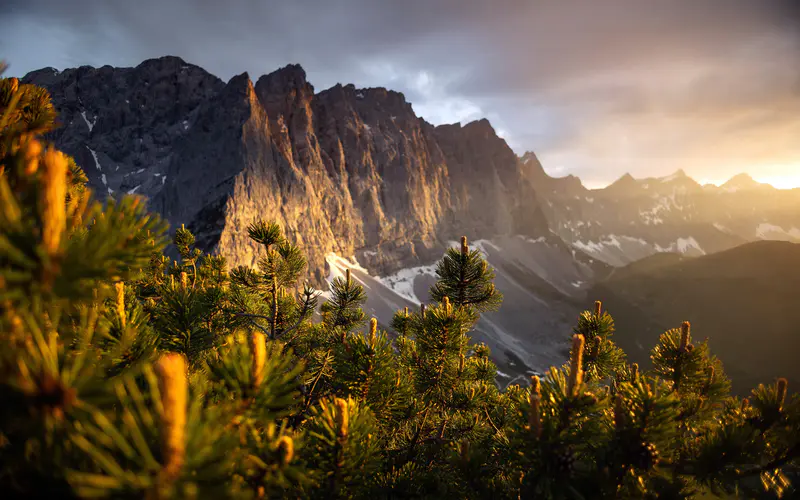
{"points": [[266, 233], [343, 311], [465, 277], [343, 446], [124, 374], [601, 357]]}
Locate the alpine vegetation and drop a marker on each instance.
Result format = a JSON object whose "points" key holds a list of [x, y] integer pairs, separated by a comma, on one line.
{"points": [[126, 374]]}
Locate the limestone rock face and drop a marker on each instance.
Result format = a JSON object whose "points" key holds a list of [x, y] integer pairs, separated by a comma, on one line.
{"points": [[348, 171]]}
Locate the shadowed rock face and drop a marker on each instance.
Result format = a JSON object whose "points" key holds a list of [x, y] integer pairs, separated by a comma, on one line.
{"points": [[350, 171]]}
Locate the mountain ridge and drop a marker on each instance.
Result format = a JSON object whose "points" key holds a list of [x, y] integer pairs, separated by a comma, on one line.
{"points": [[742, 178], [358, 180], [344, 170], [633, 218], [741, 299]]}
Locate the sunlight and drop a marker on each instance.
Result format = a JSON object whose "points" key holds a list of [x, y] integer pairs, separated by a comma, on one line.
{"points": [[788, 181], [781, 176]]}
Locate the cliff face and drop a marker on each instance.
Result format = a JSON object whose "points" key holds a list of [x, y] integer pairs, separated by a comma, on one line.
{"points": [[350, 171]]}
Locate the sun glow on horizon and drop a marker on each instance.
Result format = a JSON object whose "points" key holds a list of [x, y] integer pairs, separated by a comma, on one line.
{"points": [[782, 181], [781, 176], [773, 176]]}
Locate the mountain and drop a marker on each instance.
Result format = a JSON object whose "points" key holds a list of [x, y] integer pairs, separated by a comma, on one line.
{"points": [[358, 181], [744, 300], [634, 218], [354, 177], [347, 171]]}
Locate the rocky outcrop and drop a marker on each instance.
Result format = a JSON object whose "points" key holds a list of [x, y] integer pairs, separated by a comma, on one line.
{"points": [[349, 171]]}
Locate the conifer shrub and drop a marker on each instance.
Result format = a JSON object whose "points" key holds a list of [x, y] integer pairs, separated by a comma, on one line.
{"points": [[124, 374]]}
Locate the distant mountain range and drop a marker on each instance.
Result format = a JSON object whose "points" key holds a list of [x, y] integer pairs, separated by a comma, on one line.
{"points": [[359, 181], [633, 218]]}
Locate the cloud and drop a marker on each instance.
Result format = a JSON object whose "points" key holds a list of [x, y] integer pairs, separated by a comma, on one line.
{"points": [[596, 89]]}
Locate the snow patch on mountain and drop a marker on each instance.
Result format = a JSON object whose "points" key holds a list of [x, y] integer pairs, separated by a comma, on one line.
{"points": [[619, 250], [615, 249], [402, 282], [516, 260], [682, 245], [540, 239], [664, 204], [767, 231], [722, 228], [96, 161], [337, 267], [88, 123], [685, 244], [482, 245], [611, 240]]}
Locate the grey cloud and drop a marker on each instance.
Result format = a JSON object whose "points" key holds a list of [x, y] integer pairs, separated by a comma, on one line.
{"points": [[596, 88]]}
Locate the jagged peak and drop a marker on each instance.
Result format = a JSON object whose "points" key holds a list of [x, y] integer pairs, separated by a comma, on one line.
{"points": [[626, 178], [367, 93], [155, 65], [46, 69], [40, 75], [164, 61], [678, 174], [573, 179], [239, 84], [741, 180], [531, 163], [743, 177], [482, 123], [293, 74], [241, 77], [449, 126]]}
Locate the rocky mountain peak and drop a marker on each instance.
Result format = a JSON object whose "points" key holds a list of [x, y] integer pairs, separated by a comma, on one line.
{"points": [[743, 181], [161, 63], [287, 81], [530, 157], [678, 175], [530, 163], [347, 171], [624, 183], [240, 84], [482, 128]]}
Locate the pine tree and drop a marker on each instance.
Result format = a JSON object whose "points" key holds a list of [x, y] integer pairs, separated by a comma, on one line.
{"points": [[126, 374], [466, 279]]}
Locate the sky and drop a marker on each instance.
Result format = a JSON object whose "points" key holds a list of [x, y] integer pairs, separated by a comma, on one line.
{"points": [[595, 89]]}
